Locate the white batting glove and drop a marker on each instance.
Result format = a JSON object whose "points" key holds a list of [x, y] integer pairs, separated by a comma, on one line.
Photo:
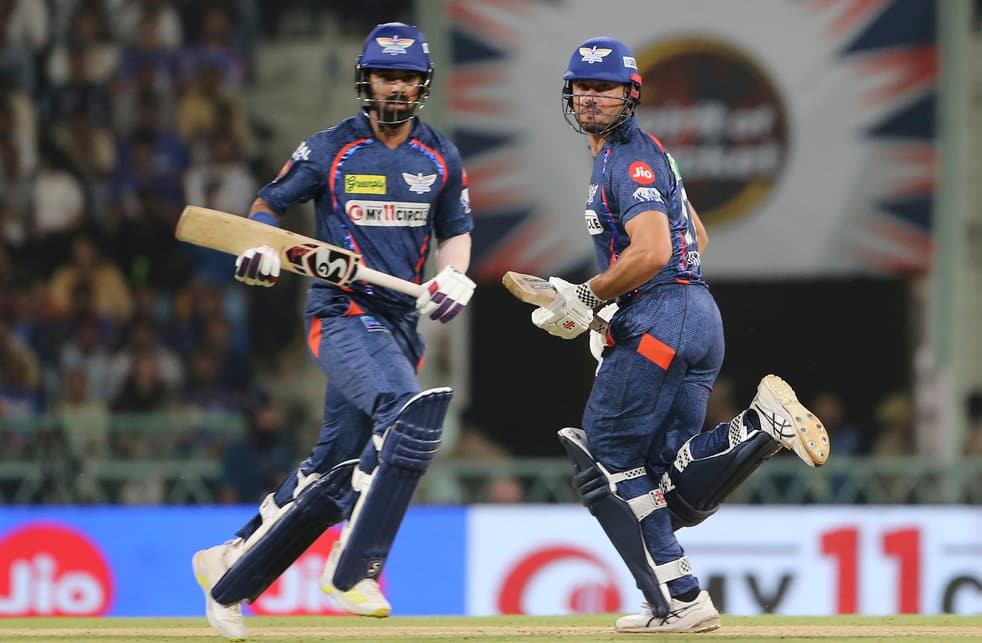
{"points": [[258, 266], [569, 315], [445, 295]]}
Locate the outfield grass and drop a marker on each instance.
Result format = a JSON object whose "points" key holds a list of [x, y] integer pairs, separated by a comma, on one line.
{"points": [[487, 629]]}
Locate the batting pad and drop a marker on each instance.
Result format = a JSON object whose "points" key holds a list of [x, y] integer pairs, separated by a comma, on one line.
{"points": [[408, 448]]}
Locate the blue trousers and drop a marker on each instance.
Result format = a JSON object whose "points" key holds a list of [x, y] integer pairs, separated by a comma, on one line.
{"points": [[650, 396], [370, 362]]}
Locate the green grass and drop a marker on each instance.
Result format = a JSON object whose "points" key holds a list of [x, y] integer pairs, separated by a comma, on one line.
{"points": [[488, 629]]}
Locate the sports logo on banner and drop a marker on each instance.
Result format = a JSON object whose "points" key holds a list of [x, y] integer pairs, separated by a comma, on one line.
{"points": [[790, 121]]}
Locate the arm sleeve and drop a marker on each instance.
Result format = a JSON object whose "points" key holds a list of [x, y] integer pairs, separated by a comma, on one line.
{"points": [[641, 184], [453, 212], [300, 180]]}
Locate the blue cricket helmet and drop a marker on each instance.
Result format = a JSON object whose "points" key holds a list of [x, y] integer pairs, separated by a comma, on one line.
{"points": [[606, 59], [396, 45], [393, 46], [603, 58]]}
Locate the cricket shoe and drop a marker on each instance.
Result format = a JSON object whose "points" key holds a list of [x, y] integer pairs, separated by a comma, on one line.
{"points": [[789, 422], [209, 567], [698, 615], [364, 599]]}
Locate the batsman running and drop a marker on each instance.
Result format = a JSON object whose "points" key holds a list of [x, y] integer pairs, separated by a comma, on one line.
{"points": [[387, 186], [642, 467]]}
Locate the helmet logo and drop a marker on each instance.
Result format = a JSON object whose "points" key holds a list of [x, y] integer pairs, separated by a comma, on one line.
{"points": [[394, 45], [593, 55]]}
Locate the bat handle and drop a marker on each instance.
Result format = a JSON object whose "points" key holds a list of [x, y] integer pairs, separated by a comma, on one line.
{"points": [[377, 278]]}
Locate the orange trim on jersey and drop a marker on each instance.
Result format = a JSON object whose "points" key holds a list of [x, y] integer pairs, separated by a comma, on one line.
{"points": [[353, 309], [684, 282], [334, 166], [657, 142], [314, 337], [657, 351], [423, 250], [437, 156], [422, 360]]}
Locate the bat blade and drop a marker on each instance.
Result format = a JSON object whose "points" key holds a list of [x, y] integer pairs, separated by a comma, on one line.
{"points": [[529, 288], [302, 255], [539, 292]]}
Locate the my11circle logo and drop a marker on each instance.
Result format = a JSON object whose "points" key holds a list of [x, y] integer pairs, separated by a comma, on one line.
{"points": [[52, 570]]}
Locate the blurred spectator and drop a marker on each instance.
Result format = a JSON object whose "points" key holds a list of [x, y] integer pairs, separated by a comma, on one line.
{"points": [[18, 134], [16, 57], [77, 91], [204, 388], [215, 48], [973, 435], [847, 439], [111, 294], [88, 30], [59, 207], [234, 367], [145, 53], [505, 490], [28, 24], [255, 465], [87, 352], [168, 30], [222, 181], [142, 340], [143, 390], [91, 149], [206, 110], [895, 419], [83, 420], [20, 374]]}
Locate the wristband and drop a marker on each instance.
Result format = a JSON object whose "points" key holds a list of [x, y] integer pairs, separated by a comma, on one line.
{"points": [[266, 217], [586, 295]]}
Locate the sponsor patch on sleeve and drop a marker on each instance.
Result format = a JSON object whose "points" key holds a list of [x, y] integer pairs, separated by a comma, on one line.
{"points": [[642, 195], [641, 172]]}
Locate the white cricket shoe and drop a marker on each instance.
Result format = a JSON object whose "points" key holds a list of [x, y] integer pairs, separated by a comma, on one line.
{"points": [[789, 422], [209, 567], [364, 599], [699, 615]]}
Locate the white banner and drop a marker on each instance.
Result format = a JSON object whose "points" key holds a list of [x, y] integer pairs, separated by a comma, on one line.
{"points": [[555, 559], [804, 130]]}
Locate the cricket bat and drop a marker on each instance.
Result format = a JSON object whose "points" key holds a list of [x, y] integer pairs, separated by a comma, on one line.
{"points": [[539, 292], [302, 255]]}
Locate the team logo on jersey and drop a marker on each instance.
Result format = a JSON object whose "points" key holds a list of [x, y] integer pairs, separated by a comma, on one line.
{"points": [[394, 45], [419, 183], [641, 172], [590, 193], [364, 183], [388, 214], [592, 222], [302, 153], [648, 194], [593, 54]]}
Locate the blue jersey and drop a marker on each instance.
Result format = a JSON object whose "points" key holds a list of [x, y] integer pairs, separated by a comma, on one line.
{"points": [[633, 173], [382, 203]]}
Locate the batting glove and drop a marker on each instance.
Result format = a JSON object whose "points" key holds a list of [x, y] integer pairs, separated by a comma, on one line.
{"points": [[445, 295], [570, 313], [258, 266]]}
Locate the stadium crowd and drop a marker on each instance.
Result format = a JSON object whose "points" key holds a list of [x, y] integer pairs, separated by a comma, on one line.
{"points": [[113, 115]]}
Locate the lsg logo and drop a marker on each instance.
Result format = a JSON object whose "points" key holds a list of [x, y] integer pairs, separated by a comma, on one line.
{"points": [[51, 570]]}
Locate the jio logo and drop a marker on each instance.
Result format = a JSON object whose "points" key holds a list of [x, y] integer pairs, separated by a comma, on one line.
{"points": [[52, 570]]}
